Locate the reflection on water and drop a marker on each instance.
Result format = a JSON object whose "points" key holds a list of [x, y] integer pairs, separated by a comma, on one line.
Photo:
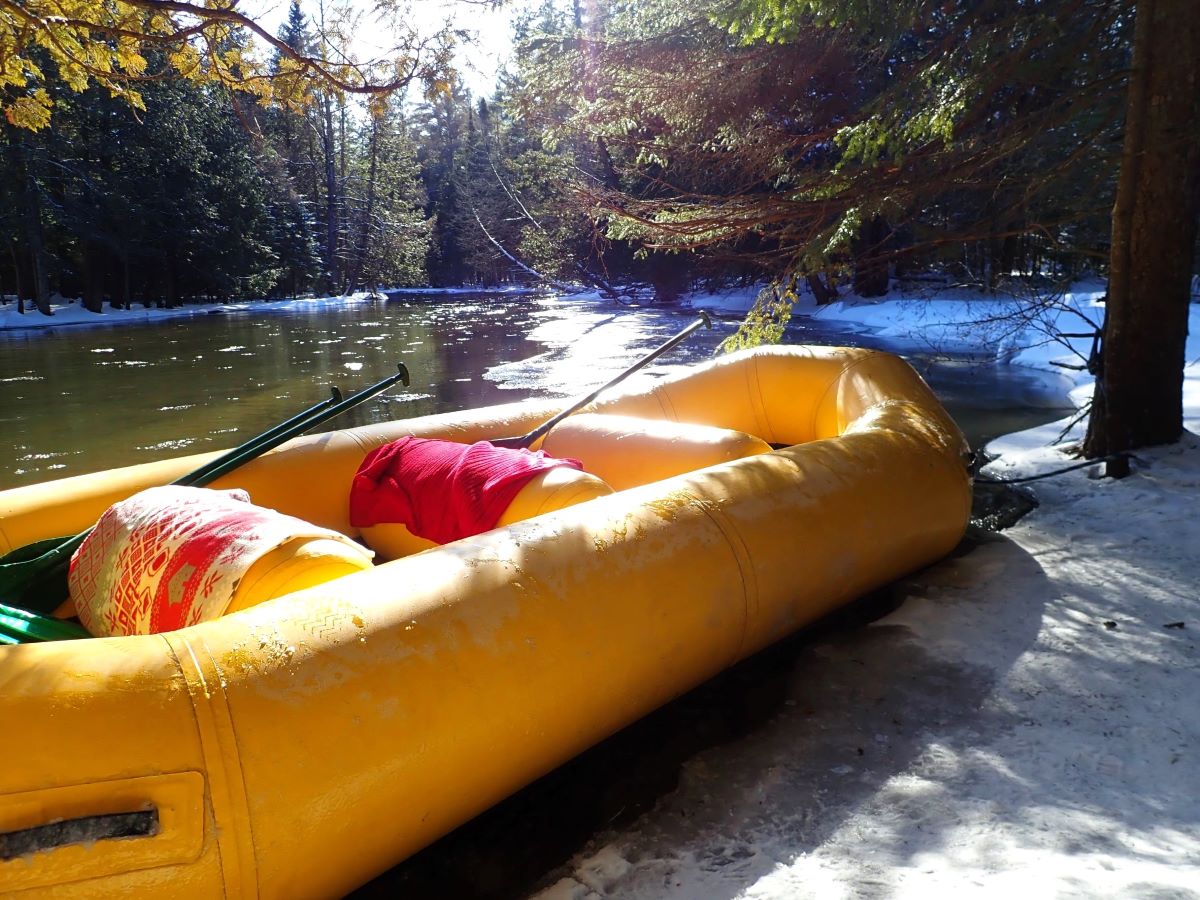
{"points": [[78, 400]]}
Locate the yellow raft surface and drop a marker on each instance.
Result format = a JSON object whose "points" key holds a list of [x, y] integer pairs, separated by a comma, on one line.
{"points": [[301, 746]]}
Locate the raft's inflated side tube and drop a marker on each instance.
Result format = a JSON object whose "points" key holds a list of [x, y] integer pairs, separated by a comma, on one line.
{"points": [[627, 451], [302, 746]]}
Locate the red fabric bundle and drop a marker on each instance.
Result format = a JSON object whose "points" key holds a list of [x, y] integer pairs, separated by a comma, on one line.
{"points": [[442, 490]]}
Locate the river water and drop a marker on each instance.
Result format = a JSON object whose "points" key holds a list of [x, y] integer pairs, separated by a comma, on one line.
{"points": [[82, 399]]}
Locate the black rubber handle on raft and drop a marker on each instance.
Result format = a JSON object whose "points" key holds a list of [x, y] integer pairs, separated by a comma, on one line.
{"points": [[529, 438], [34, 578]]}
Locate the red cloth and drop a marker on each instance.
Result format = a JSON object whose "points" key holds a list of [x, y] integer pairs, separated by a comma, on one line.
{"points": [[442, 490]]}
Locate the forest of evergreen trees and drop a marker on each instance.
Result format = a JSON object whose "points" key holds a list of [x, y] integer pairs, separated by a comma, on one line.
{"points": [[653, 141], [153, 155]]}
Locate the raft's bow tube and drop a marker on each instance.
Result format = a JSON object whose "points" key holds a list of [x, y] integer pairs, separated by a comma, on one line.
{"points": [[343, 728]]}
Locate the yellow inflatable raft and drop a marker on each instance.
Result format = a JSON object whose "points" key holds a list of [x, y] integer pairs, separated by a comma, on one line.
{"points": [[300, 746]]}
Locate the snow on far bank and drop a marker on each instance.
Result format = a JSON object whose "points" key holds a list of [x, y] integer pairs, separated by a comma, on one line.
{"points": [[1026, 331], [72, 313], [69, 312]]}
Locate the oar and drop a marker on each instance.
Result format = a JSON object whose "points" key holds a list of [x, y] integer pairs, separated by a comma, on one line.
{"points": [[239, 456], [196, 477], [34, 577], [528, 439], [200, 476]]}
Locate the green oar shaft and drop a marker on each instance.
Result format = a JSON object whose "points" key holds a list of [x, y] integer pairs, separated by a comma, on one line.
{"points": [[194, 478], [17, 626], [240, 456]]}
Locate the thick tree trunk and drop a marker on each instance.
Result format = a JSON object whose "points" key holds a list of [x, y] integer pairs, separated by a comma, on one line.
{"points": [[1139, 385], [93, 278], [12, 247], [37, 253], [870, 265], [822, 292], [359, 266], [124, 299], [169, 300], [31, 221]]}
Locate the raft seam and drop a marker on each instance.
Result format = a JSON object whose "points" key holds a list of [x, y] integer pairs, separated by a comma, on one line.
{"points": [[754, 387], [247, 843], [208, 776], [835, 382], [664, 402], [745, 564], [236, 853]]}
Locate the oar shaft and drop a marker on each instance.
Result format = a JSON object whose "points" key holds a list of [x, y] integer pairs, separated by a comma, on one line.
{"points": [[238, 458], [193, 478], [527, 440]]}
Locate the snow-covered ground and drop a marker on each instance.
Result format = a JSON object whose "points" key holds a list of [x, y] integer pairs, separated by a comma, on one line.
{"points": [[1024, 725], [69, 312]]}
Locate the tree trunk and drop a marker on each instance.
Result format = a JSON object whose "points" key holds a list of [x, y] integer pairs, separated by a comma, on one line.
{"points": [[31, 221], [170, 300], [93, 278], [332, 263], [1139, 383], [12, 248], [822, 292], [358, 272], [126, 291], [870, 265]]}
